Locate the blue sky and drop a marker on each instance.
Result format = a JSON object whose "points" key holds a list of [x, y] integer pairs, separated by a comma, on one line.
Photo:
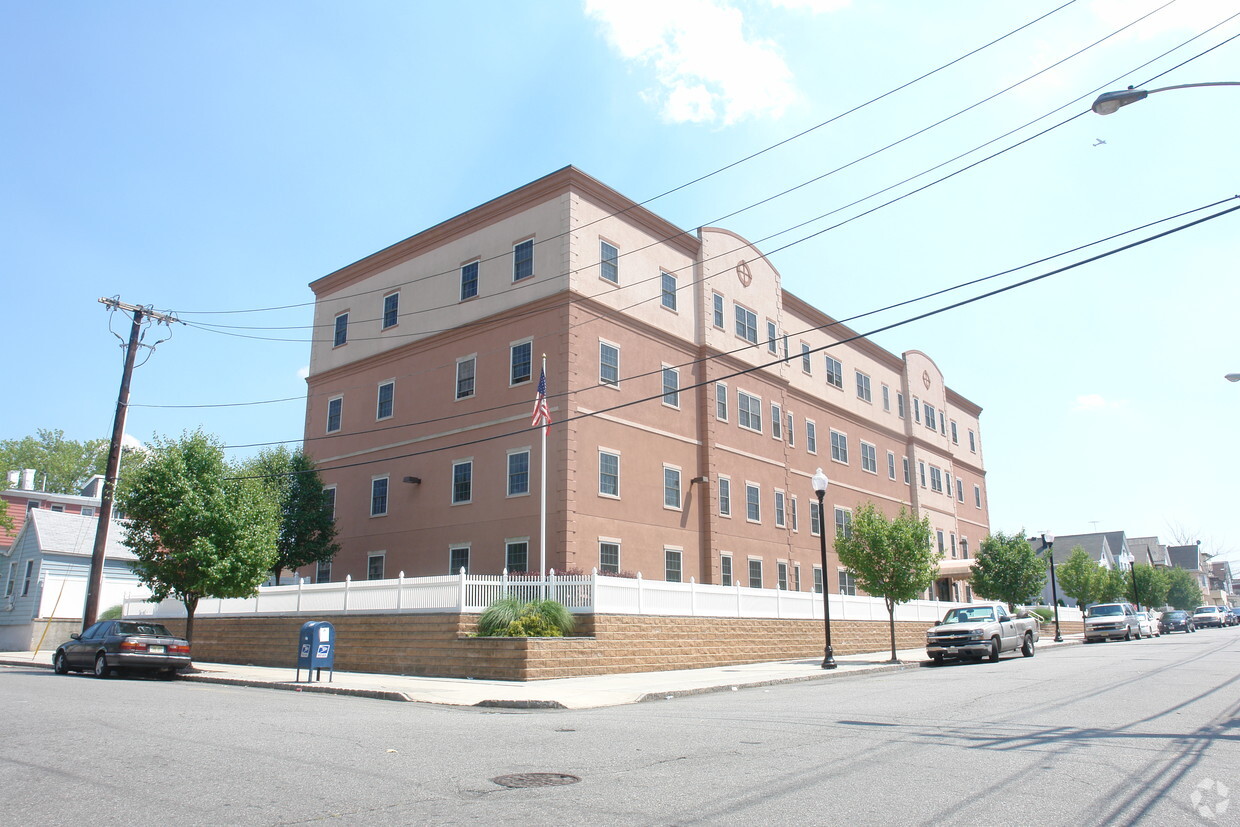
{"points": [[219, 157]]}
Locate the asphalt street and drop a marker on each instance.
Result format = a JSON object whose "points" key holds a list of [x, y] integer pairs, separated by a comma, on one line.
{"points": [[1144, 732]]}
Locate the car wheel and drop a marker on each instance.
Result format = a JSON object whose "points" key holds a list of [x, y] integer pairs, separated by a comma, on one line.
{"points": [[167, 674], [994, 649], [1128, 634], [101, 666], [1027, 648], [60, 664], [938, 660]]}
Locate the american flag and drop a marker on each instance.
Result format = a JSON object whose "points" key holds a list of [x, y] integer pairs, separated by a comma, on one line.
{"points": [[542, 415]]}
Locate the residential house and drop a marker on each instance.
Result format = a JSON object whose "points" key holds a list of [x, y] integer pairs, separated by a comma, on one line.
{"points": [[20, 498], [1221, 583]]}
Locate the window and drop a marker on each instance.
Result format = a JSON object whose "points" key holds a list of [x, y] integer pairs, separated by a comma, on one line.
{"points": [[863, 387], [609, 262], [323, 572], [755, 574], [835, 372], [749, 411], [839, 446], [517, 555], [936, 480], [391, 310], [815, 519], [848, 583], [465, 377], [777, 421], [772, 334], [964, 548], [608, 474], [374, 566], [378, 496], [977, 496], [959, 489], [342, 330], [785, 347], [725, 569], [899, 404], [939, 536], [329, 501], [843, 522], [462, 482], [916, 410], [921, 473], [891, 465], [781, 512], [608, 364], [608, 557], [781, 576], [796, 576], [334, 408], [886, 398], [8, 588], [811, 436], [721, 402], [88, 511], [671, 565], [930, 420], [792, 517], [518, 472], [907, 480], [817, 580], [791, 432], [469, 280], [523, 260], [520, 362], [57, 508], [943, 423], [383, 408], [668, 294], [869, 458], [717, 310], [953, 544], [671, 487], [753, 503], [746, 324], [807, 363], [725, 497], [671, 387], [955, 434], [972, 441], [458, 558]]}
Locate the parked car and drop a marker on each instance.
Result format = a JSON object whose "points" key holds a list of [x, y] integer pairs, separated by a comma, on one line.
{"points": [[1204, 616], [1176, 622], [982, 630], [123, 644], [1147, 625], [1232, 616], [1111, 621]]}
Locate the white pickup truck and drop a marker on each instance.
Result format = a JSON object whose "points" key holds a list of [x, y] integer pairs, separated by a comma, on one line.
{"points": [[981, 630]]}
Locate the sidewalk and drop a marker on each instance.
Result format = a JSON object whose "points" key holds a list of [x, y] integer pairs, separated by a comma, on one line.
{"points": [[560, 693]]}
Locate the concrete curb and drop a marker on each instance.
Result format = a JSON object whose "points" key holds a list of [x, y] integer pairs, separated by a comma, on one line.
{"points": [[376, 694], [825, 676]]}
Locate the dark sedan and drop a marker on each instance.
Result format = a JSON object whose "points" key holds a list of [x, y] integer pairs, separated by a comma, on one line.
{"points": [[1176, 622], [123, 644]]}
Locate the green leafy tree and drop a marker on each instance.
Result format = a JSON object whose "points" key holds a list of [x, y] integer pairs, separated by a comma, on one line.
{"points": [[1008, 569], [1077, 577], [63, 465], [1113, 585], [307, 528], [196, 528], [1183, 590], [892, 559], [1152, 585]]}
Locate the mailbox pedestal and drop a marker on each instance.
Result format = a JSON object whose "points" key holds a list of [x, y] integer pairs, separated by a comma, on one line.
{"points": [[316, 650]]}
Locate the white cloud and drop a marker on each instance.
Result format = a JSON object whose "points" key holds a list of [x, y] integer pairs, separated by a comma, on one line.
{"points": [[303, 372], [705, 66]]}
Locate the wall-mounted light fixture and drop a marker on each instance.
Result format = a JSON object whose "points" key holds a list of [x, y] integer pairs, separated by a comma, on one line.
{"points": [[699, 479], [413, 480]]}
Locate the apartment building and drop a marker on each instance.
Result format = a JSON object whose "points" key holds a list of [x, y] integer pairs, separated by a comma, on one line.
{"points": [[692, 398]]}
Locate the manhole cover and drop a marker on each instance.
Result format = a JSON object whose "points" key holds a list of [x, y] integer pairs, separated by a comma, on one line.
{"points": [[535, 779]]}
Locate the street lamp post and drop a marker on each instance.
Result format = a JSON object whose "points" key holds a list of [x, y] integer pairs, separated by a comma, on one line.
{"points": [[820, 488], [1109, 102], [1232, 377], [1136, 595], [1048, 543]]}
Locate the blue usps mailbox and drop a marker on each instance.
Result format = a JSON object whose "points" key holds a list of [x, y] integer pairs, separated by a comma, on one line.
{"points": [[317, 649]]}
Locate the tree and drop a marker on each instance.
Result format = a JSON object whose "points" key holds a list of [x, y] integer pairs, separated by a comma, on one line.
{"points": [[1007, 568], [1078, 577], [892, 559], [1183, 590], [65, 465], [1113, 585], [196, 528], [1152, 585], [307, 527]]}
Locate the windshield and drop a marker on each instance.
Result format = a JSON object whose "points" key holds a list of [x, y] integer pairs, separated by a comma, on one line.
{"points": [[142, 629], [981, 614], [1104, 611], [1176, 615], [1201, 610]]}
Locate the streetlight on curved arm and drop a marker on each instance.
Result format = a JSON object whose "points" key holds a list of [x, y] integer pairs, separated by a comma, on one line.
{"points": [[1232, 377], [1109, 102], [1048, 543], [820, 483]]}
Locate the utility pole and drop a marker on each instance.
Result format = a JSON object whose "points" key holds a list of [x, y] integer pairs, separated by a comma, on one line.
{"points": [[95, 584]]}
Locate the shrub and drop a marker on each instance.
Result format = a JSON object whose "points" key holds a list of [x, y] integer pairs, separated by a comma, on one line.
{"points": [[509, 617], [497, 617], [112, 613], [1044, 613]]}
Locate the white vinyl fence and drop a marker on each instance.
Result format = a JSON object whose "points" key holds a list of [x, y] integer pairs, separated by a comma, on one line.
{"points": [[580, 593]]}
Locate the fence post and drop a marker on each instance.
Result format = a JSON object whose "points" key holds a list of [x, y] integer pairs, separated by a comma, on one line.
{"points": [[738, 598], [460, 591], [348, 578], [300, 581], [593, 607], [692, 597], [551, 589], [503, 583], [641, 608], [257, 596], [779, 602]]}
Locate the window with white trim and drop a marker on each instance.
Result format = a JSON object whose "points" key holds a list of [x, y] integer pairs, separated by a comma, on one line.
{"points": [[609, 262], [755, 574], [725, 496], [391, 309], [520, 362], [523, 260], [717, 310], [608, 474], [843, 522], [378, 496], [772, 337], [921, 473], [781, 512], [335, 407], [608, 364], [931, 422], [519, 472], [323, 572], [908, 480], [863, 387], [777, 421], [721, 402], [341, 335], [807, 363], [916, 410], [462, 482], [753, 502], [725, 570], [959, 490], [869, 457], [465, 367], [781, 576], [815, 519], [469, 280], [792, 516], [839, 446], [811, 436], [672, 572], [458, 559], [608, 556], [671, 387], [667, 295], [374, 565], [517, 555], [955, 434], [835, 372], [746, 324], [817, 579], [671, 487], [791, 432], [848, 583], [972, 441], [936, 479], [385, 400], [977, 496], [886, 398], [891, 465], [749, 411], [899, 404]]}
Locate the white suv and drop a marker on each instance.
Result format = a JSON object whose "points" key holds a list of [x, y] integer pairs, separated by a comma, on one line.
{"points": [[1111, 621]]}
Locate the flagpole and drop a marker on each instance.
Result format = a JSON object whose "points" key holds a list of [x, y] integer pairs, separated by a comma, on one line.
{"points": [[542, 504]]}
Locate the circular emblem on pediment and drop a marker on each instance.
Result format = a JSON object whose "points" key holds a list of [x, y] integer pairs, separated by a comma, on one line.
{"points": [[743, 273], [925, 378]]}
